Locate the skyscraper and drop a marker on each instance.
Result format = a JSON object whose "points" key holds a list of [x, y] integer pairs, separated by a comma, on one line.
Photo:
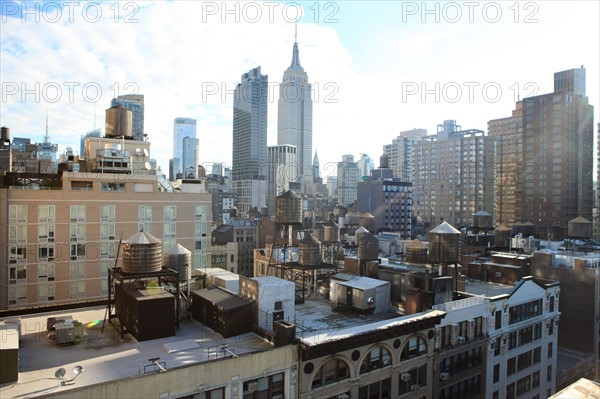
{"points": [[550, 161], [250, 140], [182, 128], [450, 181], [294, 120], [134, 103]]}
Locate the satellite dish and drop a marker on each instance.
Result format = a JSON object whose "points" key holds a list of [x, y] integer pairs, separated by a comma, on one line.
{"points": [[146, 152], [60, 373], [138, 152], [147, 165], [77, 370]]}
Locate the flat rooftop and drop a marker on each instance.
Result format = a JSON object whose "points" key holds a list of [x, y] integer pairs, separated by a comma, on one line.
{"points": [[316, 322], [477, 287], [105, 357]]}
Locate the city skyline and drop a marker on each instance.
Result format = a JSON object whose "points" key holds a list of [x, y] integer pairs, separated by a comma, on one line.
{"points": [[383, 63]]}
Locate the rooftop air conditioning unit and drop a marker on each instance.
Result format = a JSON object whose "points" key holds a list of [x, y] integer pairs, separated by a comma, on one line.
{"points": [[444, 376], [460, 340], [405, 376]]}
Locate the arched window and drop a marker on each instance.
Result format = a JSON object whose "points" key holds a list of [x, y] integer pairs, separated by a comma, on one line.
{"points": [[416, 346], [332, 371], [377, 358]]}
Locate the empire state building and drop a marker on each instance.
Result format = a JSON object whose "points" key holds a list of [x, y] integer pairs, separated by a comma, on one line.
{"points": [[294, 121]]}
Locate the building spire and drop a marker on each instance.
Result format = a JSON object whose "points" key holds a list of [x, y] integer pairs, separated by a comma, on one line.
{"points": [[46, 138], [296, 53]]}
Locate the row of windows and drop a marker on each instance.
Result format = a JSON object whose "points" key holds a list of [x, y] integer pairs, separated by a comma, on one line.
{"points": [[47, 213], [46, 292], [525, 311]]}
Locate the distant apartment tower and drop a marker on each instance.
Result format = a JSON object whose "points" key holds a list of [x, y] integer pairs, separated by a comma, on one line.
{"points": [[250, 140], [134, 103], [92, 133], [450, 182], [182, 128], [348, 176], [294, 119], [282, 172], [400, 153], [547, 149], [390, 202]]}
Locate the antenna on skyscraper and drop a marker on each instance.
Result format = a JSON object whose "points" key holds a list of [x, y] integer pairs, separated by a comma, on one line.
{"points": [[296, 31], [46, 138], [95, 106]]}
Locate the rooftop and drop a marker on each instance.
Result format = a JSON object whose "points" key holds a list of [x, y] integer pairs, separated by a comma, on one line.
{"points": [[104, 357], [316, 323]]}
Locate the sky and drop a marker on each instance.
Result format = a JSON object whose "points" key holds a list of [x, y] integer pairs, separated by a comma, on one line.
{"points": [[377, 67]]}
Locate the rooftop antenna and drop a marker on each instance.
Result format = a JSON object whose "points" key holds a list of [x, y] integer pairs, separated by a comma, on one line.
{"points": [[95, 106], [46, 138], [296, 31]]}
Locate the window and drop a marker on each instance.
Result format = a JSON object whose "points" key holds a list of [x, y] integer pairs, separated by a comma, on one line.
{"points": [[524, 361], [332, 371], [376, 359], [105, 186], [17, 273], [549, 350], [104, 287], [77, 213], [105, 264], [77, 289], [510, 391], [170, 212], [378, 389], [46, 252], [416, 346], [551, 304], [416, 376], [46, 271], [525, 311], [17, 233], [511, 366], [77, 232], [218, 393], [77, 269], [46, 214], [17, 214], [498, 322], [17, 253], [169, 230], [537, 355], [107, 231], [523, 385], [549, 373], [107, 213], [17, 294], [45, 233], [496, 373], [145, 213], [497, 347], [107, 249], [77, 251], [46, 292], [200, 212], [535, 380], [200, 229], [266, 387]]}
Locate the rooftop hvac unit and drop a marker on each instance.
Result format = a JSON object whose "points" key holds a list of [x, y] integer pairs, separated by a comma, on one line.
{"points": [[444, 376], [405, 376], [414, 387], [460, 340]]}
